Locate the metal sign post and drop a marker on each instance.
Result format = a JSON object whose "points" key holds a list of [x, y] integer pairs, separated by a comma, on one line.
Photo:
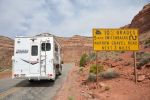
{"points": [[96, 68], [135, 70]]}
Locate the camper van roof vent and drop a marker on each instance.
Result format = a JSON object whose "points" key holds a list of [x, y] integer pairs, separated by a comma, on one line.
{"points": [[20, 36], [45, 34]]}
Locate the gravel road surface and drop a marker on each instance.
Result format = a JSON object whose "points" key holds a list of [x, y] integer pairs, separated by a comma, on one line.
{"points": [[38, 90]]}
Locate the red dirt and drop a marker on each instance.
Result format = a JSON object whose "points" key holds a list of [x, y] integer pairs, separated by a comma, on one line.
{"points": [[70, 88], [122, 88], [5, 74]]}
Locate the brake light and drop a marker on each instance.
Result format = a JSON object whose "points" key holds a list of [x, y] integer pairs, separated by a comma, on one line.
{"points": [[49, 75], [16, 75]]}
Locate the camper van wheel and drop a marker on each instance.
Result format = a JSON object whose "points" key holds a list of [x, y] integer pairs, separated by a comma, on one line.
{"points": [[31, 81], [59, 73], [60, 70], [53, 80]]}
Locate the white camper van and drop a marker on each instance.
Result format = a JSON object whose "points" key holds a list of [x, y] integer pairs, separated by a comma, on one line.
{"points": [[36, 58]]}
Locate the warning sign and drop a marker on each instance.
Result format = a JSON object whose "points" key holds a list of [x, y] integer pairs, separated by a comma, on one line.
{"points": [[115, 39]]}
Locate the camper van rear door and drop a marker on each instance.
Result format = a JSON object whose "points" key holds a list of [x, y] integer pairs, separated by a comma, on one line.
{"points": [[34, 50], [34, 62]]}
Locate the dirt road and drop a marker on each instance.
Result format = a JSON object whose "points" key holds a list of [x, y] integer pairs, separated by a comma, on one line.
{"points": [[39, 90]]}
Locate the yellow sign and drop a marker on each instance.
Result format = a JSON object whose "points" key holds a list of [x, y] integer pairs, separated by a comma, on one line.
{"points": [[115, 39]]}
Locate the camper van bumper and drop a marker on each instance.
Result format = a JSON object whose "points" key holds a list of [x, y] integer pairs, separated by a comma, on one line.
{"points": [[34, 78]]}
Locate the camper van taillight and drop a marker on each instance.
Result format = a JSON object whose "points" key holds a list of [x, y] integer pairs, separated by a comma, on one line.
{"points": [[16, 75], [49, 75]]}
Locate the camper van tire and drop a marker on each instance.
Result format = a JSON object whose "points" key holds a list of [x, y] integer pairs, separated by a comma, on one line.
{"points": [[31, 81], [60, 70]]}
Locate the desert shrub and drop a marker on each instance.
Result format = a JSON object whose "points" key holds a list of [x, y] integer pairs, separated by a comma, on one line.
{"points": [[143, 58], [146, 55], [83, 60], [0, 68], [109, 73], [70, 98], [81, 69], [92, 74], [147, 41], [143, 61], [93, 69], [92, 77], [92, 56], [141, 55]]}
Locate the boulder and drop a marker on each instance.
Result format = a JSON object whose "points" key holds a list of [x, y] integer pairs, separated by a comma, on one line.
{"points": [[141, 78], [114, 65], [147, 65]]}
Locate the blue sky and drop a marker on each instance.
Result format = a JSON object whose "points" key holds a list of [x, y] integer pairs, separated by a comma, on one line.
{"points": [[65, 17]]}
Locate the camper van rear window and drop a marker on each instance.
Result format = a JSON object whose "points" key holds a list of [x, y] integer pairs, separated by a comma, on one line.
{"points": [[47, 47], [34, 51]]}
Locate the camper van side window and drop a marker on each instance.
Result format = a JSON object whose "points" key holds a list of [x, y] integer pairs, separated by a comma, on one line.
{"points": [[43, 46], [56, 48], [48, 46], [34, 51]]}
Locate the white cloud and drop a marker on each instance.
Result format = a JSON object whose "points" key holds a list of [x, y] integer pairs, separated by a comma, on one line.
{"points": [[64, 17]]}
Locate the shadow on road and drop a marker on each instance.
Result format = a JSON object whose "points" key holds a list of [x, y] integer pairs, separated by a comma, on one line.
{"points": [[41, 83]]}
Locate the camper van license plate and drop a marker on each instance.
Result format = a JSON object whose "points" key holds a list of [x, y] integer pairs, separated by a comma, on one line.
{"points": [[22, 75]]}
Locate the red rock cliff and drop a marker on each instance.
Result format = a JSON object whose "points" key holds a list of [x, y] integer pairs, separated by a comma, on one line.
{"points": [[142, 20], [74, 47], [6, 51]]}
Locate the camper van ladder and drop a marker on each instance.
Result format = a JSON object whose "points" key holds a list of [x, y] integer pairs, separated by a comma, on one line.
{"points": [[40, 56], [43, 58]]}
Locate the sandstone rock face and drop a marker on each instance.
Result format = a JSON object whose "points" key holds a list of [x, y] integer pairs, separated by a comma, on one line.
{"points": [[74, 47], [142, 20], [6, 51]]}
